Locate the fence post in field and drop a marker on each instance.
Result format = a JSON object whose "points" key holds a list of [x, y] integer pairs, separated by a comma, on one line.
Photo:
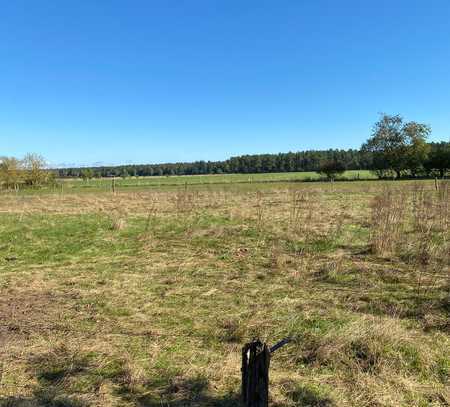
{"points": [[113, 185], [255, 372], [436, 186]]}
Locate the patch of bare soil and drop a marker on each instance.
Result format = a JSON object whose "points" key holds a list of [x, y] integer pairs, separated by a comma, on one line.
{"points": [[26, 313]]}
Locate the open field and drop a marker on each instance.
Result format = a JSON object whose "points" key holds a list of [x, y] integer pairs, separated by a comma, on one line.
{"points": [[145, 297], [98, 184]]}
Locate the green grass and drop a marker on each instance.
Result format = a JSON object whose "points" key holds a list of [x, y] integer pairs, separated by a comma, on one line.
{"points": [[146, 299], [136, 183], [44, 239]]}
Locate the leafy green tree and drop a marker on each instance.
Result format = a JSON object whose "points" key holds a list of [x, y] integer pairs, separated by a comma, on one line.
{"points": [[418, 149], [35, 173], [438, 158], [397, 146], [87, 173], [124, 173], [331, 169], [11, 172]]}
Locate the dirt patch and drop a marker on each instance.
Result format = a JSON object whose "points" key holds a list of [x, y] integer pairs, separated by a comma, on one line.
{"points": [[24, 313]]}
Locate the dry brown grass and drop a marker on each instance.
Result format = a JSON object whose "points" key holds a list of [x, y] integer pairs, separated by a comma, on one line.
{"points": [[388, 211], [154, 312]]}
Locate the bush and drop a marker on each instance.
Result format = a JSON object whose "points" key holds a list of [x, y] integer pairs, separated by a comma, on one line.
{"points": [[331, 169]]}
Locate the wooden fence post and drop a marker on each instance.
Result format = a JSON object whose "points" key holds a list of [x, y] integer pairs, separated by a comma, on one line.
{"points": [[255, 374]]}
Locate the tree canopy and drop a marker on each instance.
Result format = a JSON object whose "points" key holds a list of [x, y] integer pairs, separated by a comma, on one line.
{"points": [[438, 160], [31, 170], [397, 146], [331, 169]]}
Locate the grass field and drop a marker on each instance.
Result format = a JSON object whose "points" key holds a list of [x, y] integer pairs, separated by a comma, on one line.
{"points": [[78, 184], [145, 297]]}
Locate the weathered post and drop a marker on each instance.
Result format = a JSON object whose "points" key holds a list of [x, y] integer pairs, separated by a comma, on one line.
{"points": [[113, 185], [255, 372]]}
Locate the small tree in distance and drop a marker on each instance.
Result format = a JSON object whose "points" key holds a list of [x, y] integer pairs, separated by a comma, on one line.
{"points": [[87, 174], [35, 173], [124, 173], [331, 169], [11, 172]]}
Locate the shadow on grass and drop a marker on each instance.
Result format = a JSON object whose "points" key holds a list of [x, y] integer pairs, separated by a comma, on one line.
{"points": [[186, 392], [39, 402], [432, 311], [67, 378], [308, 395], [54, 372], [387, 293], [182, 392], [179, 392]]}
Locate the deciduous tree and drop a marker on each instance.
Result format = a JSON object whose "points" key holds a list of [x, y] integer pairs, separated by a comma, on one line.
{"points": [[331, 169], [397, 146], [11, 172], [438, 158], [35, 173]]}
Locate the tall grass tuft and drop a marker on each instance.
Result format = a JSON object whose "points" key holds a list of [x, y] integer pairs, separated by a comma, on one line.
{"points": [[430, 251], [184, 201], [301, 211], [387, 221]]}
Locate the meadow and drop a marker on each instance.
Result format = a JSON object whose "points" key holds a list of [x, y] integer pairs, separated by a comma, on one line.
{"points": [[145, 296], [102, 184]]}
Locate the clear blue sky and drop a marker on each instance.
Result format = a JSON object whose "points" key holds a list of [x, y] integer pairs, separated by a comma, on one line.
{"points": [[180, 80]]}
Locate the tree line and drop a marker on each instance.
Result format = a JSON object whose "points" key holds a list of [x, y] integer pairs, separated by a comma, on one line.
{"points": [[257, 163], [395, 149]]}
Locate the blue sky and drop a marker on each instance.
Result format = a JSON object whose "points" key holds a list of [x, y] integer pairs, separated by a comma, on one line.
{"points": [[84, 82]]}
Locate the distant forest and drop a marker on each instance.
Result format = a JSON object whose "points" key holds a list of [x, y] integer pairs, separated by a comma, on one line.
{"points": [[258, 163], [436, 161]]}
